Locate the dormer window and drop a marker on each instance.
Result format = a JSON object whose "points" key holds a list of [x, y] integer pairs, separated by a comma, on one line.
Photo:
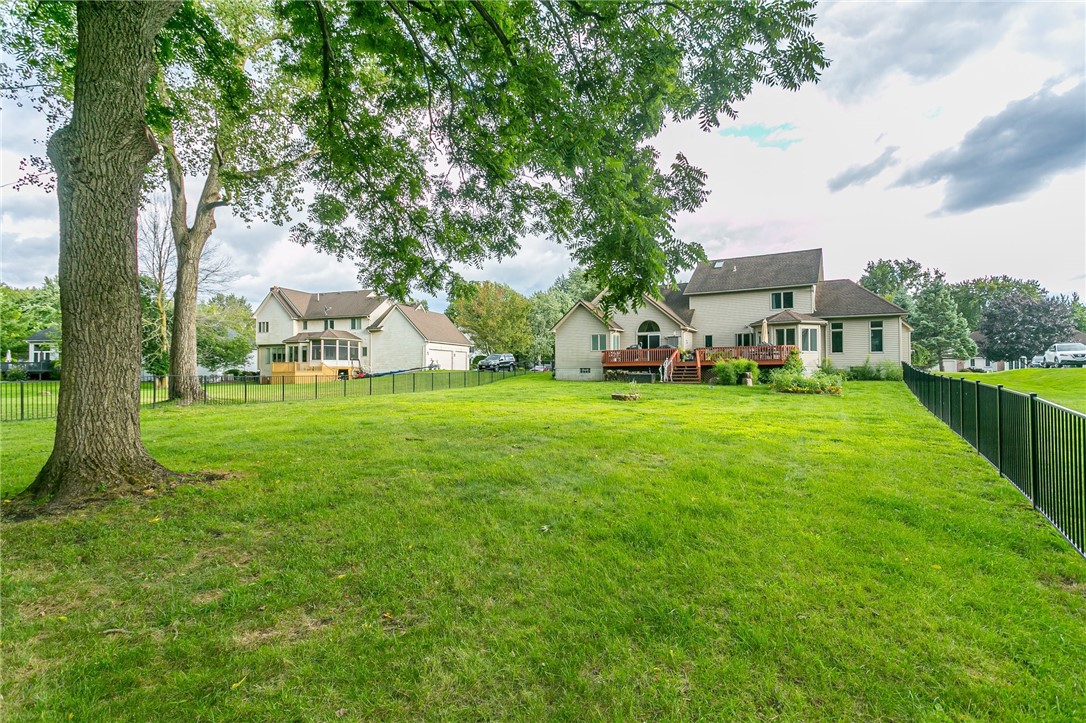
{"points": [[782, 300]]}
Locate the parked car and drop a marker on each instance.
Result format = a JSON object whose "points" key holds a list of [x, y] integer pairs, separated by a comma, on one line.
{"points": [[497, 363], [1037, 361], [541, 368], [1066, 355]]}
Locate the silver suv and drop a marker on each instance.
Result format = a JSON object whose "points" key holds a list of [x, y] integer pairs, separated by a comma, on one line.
{"points": [[1066, 355]]}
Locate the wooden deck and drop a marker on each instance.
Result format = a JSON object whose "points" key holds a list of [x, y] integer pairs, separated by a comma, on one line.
{"points": [[704, 356]]}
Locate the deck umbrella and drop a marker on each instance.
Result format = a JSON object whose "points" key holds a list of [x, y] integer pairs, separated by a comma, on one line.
{"points": [[765, 331]]}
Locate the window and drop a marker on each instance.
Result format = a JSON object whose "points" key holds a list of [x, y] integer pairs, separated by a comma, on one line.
{"points": [[305, 353], [585, 370], [356, 322], [599, 342], [364, 352], [782, 300], [648, 335], [708, 340], [329, 351], [262, 327], [718, 264], [809, 339], [305, 324], [876, 336], [278, 354], [329, 323], [837, 337], [744, 339], [786, 336], [316, 351]]}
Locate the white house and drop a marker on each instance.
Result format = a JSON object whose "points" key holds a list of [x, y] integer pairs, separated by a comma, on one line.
{"points": [[338, 333], [755, 307]]}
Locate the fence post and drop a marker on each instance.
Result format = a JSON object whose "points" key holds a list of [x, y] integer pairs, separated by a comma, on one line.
{"points": [[282, 388], [976, 411], [1034, 451], [22, 400], [371, 385], [154, 391], [393, 383], [432, 382], [450, 380], [245, 389], [999, 427], [414, 382], [344, 387], [316, 389]]}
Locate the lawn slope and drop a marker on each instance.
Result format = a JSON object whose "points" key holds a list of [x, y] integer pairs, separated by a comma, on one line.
{"points": [[1066, 387], [534, 550]]}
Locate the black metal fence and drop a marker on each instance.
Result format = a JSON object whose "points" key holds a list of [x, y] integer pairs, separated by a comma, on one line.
{"points": [[38, 399], [1039, 446]]}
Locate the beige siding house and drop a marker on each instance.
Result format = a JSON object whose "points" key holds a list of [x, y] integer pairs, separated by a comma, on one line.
{"points": [[301, 334], [755, 307]]}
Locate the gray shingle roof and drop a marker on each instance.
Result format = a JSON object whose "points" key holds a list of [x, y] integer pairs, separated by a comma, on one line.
{"points": [[768, 271], [842, 297], [675, 299], [432, 325], [326, 334], [788, 316], [44, 335], [328, 304]]}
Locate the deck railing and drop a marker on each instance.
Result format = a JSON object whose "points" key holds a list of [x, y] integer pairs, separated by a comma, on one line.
{"points": [[762, 353], [634, 356]]}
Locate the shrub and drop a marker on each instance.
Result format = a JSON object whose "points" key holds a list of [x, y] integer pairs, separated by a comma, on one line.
{"points": [[731, 371], [232, 373], [794, 364], [885, 370], [827, 367], [817, 383], [890, 371], [16, 374]]}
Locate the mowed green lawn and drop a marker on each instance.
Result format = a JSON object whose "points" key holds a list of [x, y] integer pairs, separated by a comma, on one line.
{"points": [[534, 550], [1066, 387]]}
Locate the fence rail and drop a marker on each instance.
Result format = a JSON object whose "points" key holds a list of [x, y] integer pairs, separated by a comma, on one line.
{"points": [[38, 399], [1037, 445]]}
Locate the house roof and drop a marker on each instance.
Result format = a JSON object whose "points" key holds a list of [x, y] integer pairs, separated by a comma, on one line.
{"points": [[592, 309], [45, 335], [676, 300], [328, 304], [788, 316], [326, 334], [794, 268], [843, 297], [431, 325]]}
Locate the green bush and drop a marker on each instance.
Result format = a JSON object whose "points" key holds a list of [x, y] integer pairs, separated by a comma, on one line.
{"points": [[817, 383], [731, 371], [15, 374], [794, 364], [885, 370], [827, 367]]}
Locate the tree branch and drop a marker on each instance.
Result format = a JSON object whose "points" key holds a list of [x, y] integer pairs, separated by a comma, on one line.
{"points": [[257, 174], [175, 174], [502, 37]]}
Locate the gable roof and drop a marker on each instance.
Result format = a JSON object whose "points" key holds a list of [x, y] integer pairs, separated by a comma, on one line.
{"points": [[793, 268], [591, 308], [843, 297], [45, 335], [431, 325], [326, 334], [678, 302], [327, 304], [788, 316]]}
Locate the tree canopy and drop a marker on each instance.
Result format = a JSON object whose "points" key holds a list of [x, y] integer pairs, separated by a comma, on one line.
{"points": [[939, 330], [494, 316], [1019, 324], [224, 332]]}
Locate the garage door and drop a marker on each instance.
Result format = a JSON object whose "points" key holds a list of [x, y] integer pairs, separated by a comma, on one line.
{"points": [[442, 358]]}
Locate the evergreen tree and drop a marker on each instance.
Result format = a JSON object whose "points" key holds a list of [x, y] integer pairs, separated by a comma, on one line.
{"points": [[939, 330]]}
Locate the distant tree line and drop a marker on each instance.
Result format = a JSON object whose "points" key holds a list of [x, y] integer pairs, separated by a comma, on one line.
{"points": [[1015, 317]]}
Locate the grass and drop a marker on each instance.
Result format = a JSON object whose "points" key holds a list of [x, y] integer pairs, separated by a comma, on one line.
{"points": [[1066, 387], [534, 550]]}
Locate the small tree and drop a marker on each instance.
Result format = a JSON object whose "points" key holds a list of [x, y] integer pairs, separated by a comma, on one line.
{"points": [[494, 315], [891, 279], [1020, 325], [224, 332], [939, 330]]}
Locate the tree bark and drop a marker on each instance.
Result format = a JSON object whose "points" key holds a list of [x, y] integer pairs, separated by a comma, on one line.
{"points": [[100, 158]]}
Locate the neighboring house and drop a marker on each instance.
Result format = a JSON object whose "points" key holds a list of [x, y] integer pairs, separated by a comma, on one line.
{"points": [[980, 362], [755, 307], [343, 332]]}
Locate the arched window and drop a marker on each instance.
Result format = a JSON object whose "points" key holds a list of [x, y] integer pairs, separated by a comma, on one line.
{"points": [[648, 335]]}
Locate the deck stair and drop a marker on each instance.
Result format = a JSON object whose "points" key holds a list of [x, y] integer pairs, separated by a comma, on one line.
{"points": [[688, 372]]}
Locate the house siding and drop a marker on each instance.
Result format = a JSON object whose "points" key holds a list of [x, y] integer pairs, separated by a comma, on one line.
{"points": [[280, 326], [857, 341], [722, 316], [450, 357], [573, 347], [631, 320], [397, 346]]}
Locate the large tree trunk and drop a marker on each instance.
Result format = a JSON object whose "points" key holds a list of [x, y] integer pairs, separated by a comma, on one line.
{"points": [[189, 242], [100, 158], [184, 383]]}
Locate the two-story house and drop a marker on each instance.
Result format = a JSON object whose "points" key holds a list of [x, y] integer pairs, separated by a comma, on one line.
{"points": [[301, 334], [755, 307]]}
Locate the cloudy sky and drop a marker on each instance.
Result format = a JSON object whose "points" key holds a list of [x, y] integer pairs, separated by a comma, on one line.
{"points": [[951, 133]]}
